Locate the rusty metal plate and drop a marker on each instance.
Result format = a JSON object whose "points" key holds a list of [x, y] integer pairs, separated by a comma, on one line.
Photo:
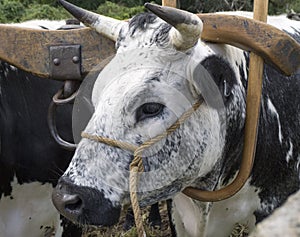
{"points": [[28, 49], [65, 62]]}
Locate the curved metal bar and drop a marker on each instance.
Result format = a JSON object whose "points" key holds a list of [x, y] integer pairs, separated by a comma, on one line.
{"points": [[57, 97], [53, 130]]}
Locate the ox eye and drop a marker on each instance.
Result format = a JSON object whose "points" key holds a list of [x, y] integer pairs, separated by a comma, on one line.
{"points": [[149, 110]]}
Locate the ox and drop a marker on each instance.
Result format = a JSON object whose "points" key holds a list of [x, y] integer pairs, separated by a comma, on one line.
{"points": [[30, 160], [160, 70]]}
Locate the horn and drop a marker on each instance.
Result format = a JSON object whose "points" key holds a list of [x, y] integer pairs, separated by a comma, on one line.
{"points": [[187, 27], [106, 26]]}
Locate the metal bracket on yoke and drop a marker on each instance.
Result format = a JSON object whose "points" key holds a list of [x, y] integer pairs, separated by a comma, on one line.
{"points": [[65, 62]]}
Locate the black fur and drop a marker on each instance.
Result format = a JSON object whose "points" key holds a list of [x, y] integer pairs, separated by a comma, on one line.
{"points": [[277, 177], [272, 174], [222, 74], [27, 149], [141, 22]]}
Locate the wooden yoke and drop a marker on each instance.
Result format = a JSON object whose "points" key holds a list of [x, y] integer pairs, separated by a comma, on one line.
{"points": [[28, 49], [272, 44]]}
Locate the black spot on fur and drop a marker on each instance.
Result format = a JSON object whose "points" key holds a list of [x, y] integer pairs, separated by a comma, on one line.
{"points": [[226, 81], [155, 79], [295, 35], [70, 229], [282, 178], [162, 34], [222, 74], [23, 118], [121, 38], [141, 22]]}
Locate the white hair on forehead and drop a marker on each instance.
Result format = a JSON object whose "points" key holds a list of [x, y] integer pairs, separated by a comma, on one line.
{"points": [[174, 67], [129, 62]]}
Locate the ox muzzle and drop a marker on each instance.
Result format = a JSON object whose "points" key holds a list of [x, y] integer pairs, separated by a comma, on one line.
{"points": [[84, 204]]}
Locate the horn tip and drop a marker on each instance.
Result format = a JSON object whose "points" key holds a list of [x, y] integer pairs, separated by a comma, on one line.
{"points": [[66, 5], [152, 7], [171, 15], [63, 2], [147, 4], [82, 15]]}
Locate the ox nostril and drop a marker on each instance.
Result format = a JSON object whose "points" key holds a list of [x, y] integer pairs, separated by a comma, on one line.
{"points": [[73, 203], [83, 205]]}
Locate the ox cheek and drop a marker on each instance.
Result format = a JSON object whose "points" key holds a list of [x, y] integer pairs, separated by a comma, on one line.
{"points": [[84, 205]]}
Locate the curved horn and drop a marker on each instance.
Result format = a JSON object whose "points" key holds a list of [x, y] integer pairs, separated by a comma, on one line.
{"points": [[187, 27], [106, 26]]}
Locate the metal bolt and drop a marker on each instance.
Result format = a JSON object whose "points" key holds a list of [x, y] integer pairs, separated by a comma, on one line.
{"points": [[75, 59], [56, 61]]}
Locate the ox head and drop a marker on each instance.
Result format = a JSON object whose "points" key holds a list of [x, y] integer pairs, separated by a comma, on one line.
{"points": [[153, 79]]}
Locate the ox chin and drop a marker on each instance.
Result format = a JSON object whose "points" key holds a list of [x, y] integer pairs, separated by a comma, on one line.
{"points": [[84, 205]]}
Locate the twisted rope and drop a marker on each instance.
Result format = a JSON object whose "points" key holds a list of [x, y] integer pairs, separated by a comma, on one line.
{"points": [[133, 184], [136, 165]]}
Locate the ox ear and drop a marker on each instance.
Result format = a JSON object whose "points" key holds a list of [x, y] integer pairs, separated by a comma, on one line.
{"points": [[106, 26], [204, 84]]}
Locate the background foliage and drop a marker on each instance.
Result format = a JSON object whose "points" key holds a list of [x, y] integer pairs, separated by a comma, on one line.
{"points": [[21, 10]]}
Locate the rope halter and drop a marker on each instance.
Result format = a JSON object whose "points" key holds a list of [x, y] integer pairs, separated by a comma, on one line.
{"points": [[136, 165]]}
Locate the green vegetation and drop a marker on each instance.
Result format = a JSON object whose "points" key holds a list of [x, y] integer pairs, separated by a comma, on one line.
{"points": [[21, 10], [11, 10], [44, 11], [118, 11]]}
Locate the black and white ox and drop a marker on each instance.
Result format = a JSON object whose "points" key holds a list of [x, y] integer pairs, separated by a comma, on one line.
{"points": [[158, 73], [30, 160]]}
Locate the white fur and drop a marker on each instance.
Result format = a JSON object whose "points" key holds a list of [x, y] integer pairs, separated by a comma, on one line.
{"points": [[298, 165], [274, 112], [194, 219], [28, 211], [189, 216], [38, 24], [237, 209], [289, 154]]}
